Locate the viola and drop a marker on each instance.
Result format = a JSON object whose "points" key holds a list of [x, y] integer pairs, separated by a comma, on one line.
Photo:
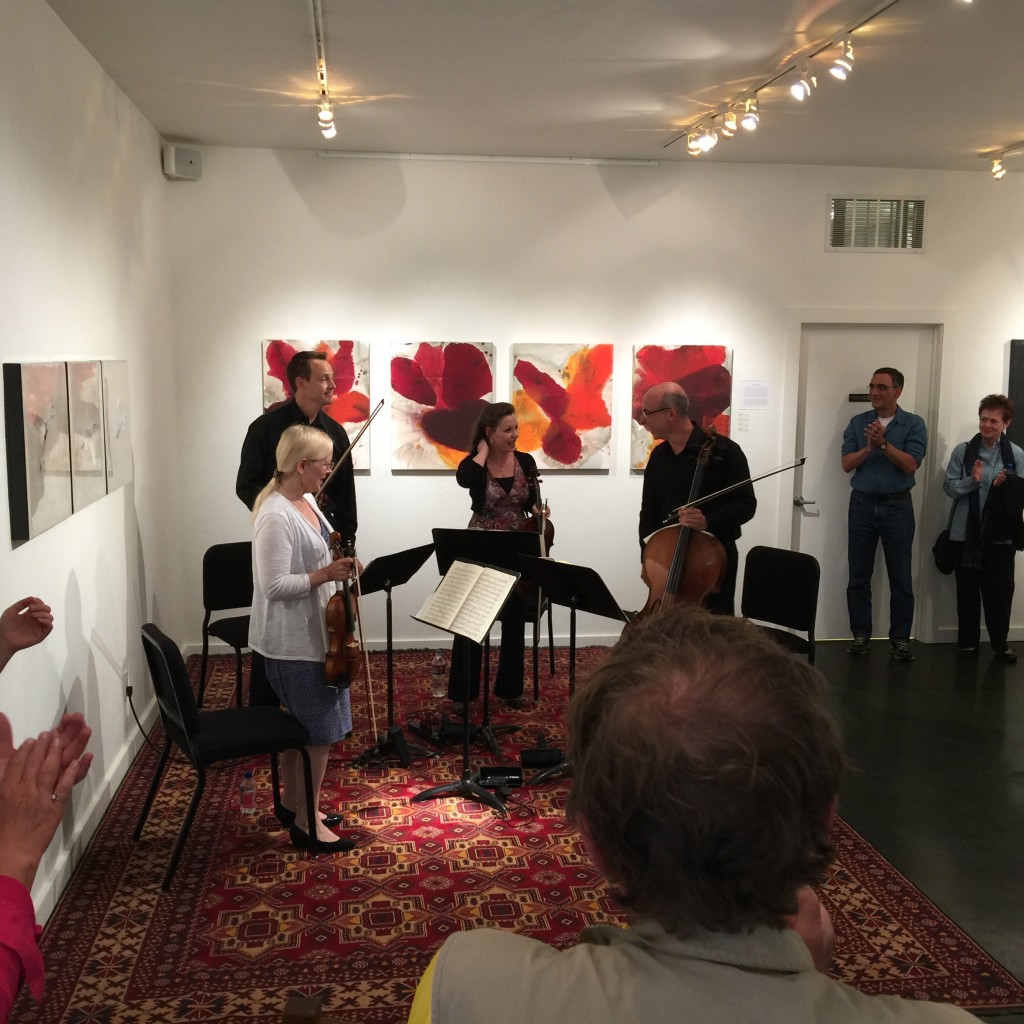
{"points": [[539, 524], [683, 565], [342, 666]]}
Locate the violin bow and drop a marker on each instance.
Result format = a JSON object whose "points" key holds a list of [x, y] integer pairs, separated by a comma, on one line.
{"points": [[671, 518], [348, 451], [362, 645]]}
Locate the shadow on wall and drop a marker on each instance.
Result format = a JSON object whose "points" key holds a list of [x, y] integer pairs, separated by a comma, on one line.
{"points": [[351, 198]]}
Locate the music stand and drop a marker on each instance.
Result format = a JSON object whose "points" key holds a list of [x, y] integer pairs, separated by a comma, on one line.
{"points": [[385, 573], [502, 582], [502, 549], [579, 588]]}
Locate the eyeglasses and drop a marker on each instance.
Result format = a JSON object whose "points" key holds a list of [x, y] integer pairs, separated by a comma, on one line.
{"points": [[879, 387], [650, 412], [323, 462]]}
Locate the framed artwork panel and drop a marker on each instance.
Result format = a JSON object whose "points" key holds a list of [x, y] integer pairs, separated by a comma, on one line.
{"points": [[562, 396], [437, 392], [38, 447], [703, 371], [350, 405], [85, 420], [117, 425]]}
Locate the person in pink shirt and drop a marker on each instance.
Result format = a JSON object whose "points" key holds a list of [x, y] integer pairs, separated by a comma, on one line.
{"points": [[36, 779]]}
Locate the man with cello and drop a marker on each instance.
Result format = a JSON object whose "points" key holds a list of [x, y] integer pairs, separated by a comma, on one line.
{"points": [[689, 455]]}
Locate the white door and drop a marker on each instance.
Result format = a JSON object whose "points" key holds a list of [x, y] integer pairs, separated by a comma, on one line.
{"points": [[837, 360]]}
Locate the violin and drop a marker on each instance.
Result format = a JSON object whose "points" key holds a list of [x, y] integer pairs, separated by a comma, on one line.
{"points": [[539, 524], [683, 565], [342, 666]]}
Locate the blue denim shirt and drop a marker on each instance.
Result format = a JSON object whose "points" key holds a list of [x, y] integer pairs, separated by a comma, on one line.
{"points": [[959, 482], [878, 475]]}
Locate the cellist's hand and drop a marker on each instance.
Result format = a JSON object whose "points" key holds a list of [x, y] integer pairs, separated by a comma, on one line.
{"points": [[693, 518]]}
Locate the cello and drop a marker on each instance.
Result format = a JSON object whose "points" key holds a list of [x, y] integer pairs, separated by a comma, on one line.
{"points": [[682, 565]]}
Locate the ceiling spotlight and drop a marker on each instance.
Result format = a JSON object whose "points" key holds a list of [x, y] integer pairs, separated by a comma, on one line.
{"points": [[750, 116], [842, 66], [328, 130], [326, 113], [708, 138], [998, 170], [729, 125], [693, 143], [803, 87]]}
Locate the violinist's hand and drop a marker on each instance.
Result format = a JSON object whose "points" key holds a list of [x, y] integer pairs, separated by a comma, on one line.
{"points": [[542, 512], [693, 518], [340, 570]]}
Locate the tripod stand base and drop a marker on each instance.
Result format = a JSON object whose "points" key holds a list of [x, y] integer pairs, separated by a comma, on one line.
{"points": [[467, 787], [562, 768], [394, 744]]}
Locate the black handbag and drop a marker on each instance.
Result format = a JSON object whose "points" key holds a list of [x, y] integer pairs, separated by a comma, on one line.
{"points": [[946, 553]]}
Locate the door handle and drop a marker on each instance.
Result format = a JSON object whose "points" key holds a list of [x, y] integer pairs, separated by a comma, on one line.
{"points": [[799, 502]]}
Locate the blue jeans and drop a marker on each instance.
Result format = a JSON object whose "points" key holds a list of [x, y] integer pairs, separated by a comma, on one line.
{"points": [[889, 517]]}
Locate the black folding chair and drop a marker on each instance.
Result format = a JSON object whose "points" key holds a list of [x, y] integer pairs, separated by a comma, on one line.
{"points": [[206, 737], [227, 584], [780, 588]]}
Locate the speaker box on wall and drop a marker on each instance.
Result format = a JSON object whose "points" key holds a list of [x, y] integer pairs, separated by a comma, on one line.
{"points": [[1015, 391], [182, 164]]}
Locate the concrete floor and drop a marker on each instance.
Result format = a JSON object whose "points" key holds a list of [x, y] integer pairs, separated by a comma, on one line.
{"points": [[937, 780]]}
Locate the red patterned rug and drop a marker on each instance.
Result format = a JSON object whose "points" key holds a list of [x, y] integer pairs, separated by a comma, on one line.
{"points": [[249, 920]]}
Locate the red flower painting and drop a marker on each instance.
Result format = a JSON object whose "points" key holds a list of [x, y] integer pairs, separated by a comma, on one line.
{"points": [[562, 396], [350, 406], [703, 371], [439, 390]]}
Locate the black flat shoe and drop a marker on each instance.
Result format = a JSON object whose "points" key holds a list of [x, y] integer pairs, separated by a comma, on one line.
{"points": [[303, 841], [287, 818], [1006, 656]]}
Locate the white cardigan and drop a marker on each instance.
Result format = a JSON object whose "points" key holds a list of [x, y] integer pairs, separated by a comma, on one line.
{"points": [[288, 615]]}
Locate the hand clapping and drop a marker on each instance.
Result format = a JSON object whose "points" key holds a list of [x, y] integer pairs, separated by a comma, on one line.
{"points": [[24, 624]]}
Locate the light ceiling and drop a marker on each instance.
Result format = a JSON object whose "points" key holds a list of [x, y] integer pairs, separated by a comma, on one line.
{"points": [[934, 84]]}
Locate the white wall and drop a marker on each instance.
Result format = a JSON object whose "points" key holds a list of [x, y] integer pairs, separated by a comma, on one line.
{"points": [[283, 244], [83, 275]]}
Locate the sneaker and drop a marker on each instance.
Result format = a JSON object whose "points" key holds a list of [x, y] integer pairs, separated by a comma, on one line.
{"points": [[900, 650], [860, 645]]}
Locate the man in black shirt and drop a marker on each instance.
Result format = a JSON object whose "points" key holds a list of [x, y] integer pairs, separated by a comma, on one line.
{"points": [[312, 382], [669, 475]]}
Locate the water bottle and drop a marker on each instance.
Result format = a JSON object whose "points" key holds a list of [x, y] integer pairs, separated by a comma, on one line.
{"points": [[247, 794], [438, 675]]}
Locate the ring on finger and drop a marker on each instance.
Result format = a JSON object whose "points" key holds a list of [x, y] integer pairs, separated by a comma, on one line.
{"points": [[58, 799]]}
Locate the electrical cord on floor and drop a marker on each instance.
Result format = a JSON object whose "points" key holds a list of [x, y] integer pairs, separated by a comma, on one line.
{"points": [[145, 735]]}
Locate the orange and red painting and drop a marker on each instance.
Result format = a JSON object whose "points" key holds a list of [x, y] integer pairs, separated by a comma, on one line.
{"points": [[562, 397], [438, 390], [703, 371], [350, 406]]}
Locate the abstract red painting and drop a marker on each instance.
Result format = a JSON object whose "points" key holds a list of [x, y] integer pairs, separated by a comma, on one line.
{"points": [[703, 371], [350, 407], [562, 396], [438, 390]]}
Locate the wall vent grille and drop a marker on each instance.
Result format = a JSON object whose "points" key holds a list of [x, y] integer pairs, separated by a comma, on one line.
{"points": [[856, 224]]}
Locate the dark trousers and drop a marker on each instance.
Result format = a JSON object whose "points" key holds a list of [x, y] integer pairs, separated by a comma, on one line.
{"points": [[889, 518], [990, 587], [508, 682]]}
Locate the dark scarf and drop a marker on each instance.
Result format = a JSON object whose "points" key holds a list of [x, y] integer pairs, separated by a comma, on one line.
{"points": [[998, 522]]}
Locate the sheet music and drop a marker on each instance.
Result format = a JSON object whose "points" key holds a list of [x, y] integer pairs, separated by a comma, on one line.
{"points": [[468, 599]]}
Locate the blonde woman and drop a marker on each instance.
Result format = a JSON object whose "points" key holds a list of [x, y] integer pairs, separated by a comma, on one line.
{"points": [[294, 577]]}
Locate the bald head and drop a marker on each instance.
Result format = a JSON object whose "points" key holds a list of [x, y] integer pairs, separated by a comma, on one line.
{"points": [[668, 395]]}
